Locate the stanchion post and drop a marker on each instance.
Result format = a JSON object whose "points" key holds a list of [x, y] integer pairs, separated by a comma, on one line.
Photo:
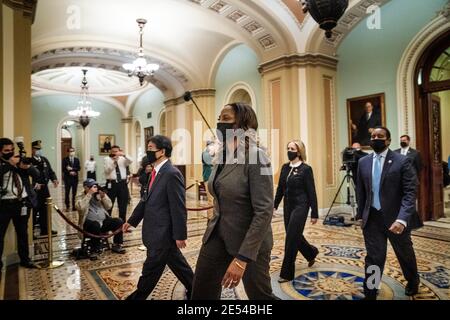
{"points": [[50, 263]]}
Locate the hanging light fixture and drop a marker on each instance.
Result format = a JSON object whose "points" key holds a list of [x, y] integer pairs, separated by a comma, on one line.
{"points": [[325, 12], [139, 67], [84, 110]]}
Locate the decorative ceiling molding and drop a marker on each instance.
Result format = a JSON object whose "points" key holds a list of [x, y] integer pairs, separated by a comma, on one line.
{"points": [[105, 58], [299, 60], [242, 19], [28, 7]]}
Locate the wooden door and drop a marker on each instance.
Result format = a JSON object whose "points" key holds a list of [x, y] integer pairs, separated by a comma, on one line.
{"points": [[66, 143], [436, 174]]}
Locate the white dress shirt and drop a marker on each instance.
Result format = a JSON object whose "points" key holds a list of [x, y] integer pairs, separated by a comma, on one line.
{"points": [[159, 166], [90, 166], [404, 151], [382, 159], [110, 167], [10, 187]]}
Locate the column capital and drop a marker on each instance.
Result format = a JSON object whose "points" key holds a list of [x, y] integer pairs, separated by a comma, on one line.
{"points": [[28, 7], [299, 60], [127, 120], [196, 93]]}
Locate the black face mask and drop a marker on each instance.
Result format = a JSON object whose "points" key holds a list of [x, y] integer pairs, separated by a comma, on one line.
{"points": [[7, 156], [292, 155], [222, 130], [151, 156], [378, 145], [403, 144]]}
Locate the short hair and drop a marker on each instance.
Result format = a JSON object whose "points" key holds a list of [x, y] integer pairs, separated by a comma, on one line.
{"points": [[406, 136], [68, 149], [5, 142], [162, 142], [301, 149], [388, 133], [115, 147]]}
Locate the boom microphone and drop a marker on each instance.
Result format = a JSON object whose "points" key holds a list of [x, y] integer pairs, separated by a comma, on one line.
{"points": [[188, 97]]}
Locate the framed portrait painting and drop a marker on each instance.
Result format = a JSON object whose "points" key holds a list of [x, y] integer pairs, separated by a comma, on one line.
{"points": [[148, 133], [105, 142], [364, 114]]}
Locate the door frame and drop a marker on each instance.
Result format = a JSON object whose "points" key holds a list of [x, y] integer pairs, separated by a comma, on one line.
{"points": [[428, 140]]}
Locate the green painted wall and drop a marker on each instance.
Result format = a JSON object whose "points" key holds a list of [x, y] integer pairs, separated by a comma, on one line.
{"points": [[49, 111], [369, 59], [239, 65], [151, 101]]}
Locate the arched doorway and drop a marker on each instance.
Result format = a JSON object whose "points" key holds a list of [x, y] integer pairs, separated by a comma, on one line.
{"points": [[432, 111]]}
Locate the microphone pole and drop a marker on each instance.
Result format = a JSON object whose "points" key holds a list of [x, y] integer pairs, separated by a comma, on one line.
{"points": [[188, 97]]}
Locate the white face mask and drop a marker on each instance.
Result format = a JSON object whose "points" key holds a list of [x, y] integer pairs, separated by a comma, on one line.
{"points": [[39, 153]]}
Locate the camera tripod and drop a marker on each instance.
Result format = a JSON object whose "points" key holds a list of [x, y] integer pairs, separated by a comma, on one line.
{"points": [[348, 179]]}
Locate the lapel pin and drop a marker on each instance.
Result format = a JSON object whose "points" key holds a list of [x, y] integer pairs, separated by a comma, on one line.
{"points": [[390, 161]]}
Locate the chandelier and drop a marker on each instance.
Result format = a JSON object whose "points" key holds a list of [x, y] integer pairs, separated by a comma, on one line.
{"points": [[325, 12], [84, 110], [139, 67]]}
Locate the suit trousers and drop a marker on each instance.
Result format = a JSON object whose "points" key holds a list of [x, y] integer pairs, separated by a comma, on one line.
{"points": [[213, 262], [109, 224], [40, 212], [70, 183], [294, 222], [12, 211], [119, 190], [154, 266], [376, 234]]}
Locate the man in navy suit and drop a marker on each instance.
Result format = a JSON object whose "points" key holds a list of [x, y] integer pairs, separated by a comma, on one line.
{"points": [[386, 195], [164, 233], [71, 167]]}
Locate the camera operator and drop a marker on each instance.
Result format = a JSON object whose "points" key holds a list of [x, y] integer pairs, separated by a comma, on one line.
{"points": [[46, 174], [116, 179], [350, 159], [16, 198], [93, 217]]}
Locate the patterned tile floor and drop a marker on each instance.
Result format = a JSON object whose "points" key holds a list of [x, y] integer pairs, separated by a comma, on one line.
{"points": [[337, 273]]}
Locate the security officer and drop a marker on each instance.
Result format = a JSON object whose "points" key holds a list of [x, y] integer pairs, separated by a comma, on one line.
{"points": [[45, 175]]}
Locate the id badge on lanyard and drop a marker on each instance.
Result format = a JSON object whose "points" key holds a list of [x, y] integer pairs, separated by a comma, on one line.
{"points": [[24, 211]]}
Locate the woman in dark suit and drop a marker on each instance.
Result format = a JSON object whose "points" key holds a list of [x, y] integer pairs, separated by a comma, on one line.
{"points": [[296, 185], [238, 239]]}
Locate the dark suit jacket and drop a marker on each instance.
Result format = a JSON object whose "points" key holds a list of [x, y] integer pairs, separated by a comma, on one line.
{"points": [[299, 190], [397, 190], [31, 201], [363, 135], [163, 210], [243, 207], [75, 167], [46, 172], [414, 155]]}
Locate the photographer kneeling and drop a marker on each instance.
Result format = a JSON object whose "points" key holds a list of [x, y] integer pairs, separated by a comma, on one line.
{"points": [[92, 208]]}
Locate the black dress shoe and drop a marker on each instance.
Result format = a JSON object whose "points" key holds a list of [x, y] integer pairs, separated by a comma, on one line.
{"points": [[411, 290], [313, 260]]}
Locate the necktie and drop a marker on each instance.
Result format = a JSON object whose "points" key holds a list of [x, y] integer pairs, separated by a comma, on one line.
{"points": [[376, 182], [18, 185], [152, 179], [118, 174]]}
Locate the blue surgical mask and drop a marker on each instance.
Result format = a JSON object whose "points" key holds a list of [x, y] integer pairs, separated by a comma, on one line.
{"points": [[39, 153]]}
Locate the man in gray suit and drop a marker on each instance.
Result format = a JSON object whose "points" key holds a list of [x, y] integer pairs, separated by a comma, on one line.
{"points": [[164, 233], [386, 195]]}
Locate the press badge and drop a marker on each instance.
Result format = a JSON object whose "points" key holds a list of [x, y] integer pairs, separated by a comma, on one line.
{"points": [[108, 185], [24, 211]]}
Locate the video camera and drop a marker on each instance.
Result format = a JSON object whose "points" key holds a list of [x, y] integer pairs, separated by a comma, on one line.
{"points": [[348, 158]]}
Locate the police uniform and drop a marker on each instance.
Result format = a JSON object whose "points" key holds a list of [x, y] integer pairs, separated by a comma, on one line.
{"points": [[46, 174]]}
